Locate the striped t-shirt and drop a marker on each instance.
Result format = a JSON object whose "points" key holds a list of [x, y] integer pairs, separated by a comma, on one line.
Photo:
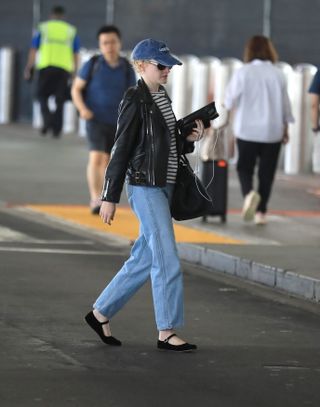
{"points": [[165, 108]]}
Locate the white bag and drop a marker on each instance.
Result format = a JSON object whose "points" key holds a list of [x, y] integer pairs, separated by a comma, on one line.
{"points": [[316, 154], [213, 145]]}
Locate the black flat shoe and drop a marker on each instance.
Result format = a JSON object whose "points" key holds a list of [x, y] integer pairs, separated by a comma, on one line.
{"points": [[97, 326], [185, 347]]}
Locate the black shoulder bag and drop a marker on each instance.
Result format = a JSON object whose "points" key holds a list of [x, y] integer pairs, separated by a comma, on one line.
{"points": [[190, 197]]}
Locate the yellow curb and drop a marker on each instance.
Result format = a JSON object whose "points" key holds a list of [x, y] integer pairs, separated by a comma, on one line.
{"points": [[126, 224]]}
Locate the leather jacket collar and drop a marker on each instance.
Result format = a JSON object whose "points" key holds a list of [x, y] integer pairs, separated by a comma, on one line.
{"points": [[145, 92]]}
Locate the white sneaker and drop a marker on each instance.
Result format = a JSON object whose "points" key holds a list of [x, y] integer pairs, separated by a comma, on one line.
{"points": [[250, 204], [260, 218]]}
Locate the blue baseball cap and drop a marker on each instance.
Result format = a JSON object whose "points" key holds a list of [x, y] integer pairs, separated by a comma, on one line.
{"points": [[158, 51]]}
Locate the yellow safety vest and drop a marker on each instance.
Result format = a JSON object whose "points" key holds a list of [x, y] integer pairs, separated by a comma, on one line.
{"points": [[56, 45]]}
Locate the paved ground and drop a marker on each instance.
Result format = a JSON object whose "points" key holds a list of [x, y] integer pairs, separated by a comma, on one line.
{"points": [[257, 347], [44, 172]]}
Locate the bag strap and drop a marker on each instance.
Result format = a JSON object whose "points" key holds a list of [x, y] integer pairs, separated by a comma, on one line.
{"points": [[127, 68], [185, 162], [93, 67]]}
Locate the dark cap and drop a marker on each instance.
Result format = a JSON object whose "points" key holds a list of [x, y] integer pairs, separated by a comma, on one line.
{"points": [[158, 51]]}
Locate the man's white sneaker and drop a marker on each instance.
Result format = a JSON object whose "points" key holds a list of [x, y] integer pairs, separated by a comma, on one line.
{"points": [[250, 204], [260, 218]]}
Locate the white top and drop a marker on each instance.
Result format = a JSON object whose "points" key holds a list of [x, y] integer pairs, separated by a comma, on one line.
{"points": [[258, 92]]}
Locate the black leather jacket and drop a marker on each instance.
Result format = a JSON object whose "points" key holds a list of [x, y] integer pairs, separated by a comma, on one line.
{"points": [[142, 144]]}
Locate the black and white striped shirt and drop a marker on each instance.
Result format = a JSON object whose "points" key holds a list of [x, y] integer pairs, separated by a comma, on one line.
{"points": [[165, 108]]}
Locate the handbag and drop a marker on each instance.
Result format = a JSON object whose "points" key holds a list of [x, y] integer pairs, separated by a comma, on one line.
{"points": [[213, 145], [190, 198]]}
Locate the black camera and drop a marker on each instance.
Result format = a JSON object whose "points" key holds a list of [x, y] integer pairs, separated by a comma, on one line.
{"points": [[206, 113]]}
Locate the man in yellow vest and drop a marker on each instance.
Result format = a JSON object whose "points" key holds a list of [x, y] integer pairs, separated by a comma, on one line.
{"points": [[55, 52]]}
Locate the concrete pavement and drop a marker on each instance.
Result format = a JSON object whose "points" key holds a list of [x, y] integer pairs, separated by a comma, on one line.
{"points": [[257, 346], [284, 254]]}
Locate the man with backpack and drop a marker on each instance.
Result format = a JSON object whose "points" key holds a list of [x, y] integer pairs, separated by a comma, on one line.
{"points": [[96, 92]]}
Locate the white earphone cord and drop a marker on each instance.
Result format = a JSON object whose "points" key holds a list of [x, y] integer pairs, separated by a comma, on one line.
{"points": [[197, 168]]}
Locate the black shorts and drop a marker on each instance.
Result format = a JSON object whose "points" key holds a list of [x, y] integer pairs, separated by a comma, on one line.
{"points": [[100, 136]]}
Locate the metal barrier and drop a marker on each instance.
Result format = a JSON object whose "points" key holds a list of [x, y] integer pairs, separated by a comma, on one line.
{"points": [[182, 85], [298, 152], [287, 72], [200, 80], [7, 60], [298, 155]]}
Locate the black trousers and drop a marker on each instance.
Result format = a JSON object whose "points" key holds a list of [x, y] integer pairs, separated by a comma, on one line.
{"points": [[266, 156], [52, 81]]}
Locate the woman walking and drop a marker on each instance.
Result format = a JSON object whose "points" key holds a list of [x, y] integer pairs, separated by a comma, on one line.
{"points": [[258, 94], [146, 154]]}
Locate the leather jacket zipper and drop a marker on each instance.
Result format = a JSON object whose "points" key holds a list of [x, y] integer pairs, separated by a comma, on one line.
{"points": [[151, 135], [105, 188], [153, 181]]}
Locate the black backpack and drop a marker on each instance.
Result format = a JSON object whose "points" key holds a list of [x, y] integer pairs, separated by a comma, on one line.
{"points": [[94, 63]]}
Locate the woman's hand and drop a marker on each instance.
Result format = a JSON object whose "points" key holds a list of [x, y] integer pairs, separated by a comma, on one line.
{"points": [[197, 132], [86, 114], [285, 136], [107, 212]]}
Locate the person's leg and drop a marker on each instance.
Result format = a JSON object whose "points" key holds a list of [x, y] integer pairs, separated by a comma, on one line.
{"points": [[151, 206], [133, 274], [98, 135], [43, 93], [45, 113], [267, 168], [248, 153], [61, 78], [96, 167], [166, 275], [154, 252], [57, 118], [247, 158]]}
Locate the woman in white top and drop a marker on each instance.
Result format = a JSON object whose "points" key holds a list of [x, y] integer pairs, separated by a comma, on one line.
{"points": [[257, 93]]}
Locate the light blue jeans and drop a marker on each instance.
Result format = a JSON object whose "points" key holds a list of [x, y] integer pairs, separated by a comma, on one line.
{"points": [[153, 255]]}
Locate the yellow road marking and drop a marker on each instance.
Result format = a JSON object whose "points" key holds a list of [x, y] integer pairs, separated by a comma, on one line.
{"points": [[126, 224]]}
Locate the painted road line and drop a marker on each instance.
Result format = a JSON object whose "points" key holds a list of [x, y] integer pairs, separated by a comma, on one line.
{"points": [[10, 235], [126, 224], [57, 251]]}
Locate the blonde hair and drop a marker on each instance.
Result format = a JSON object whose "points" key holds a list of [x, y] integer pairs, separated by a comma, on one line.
{"points": [[260, 47], [137, 65]]}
